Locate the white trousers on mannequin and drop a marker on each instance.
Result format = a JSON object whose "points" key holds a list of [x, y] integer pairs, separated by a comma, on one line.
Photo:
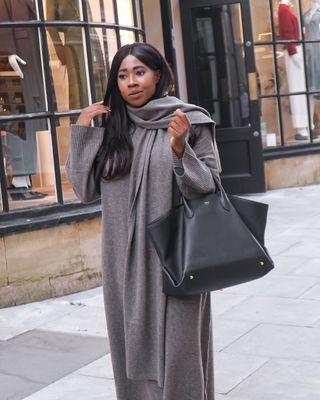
{"points": [[297, 83]]}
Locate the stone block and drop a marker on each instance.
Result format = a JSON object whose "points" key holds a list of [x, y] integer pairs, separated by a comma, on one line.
{"points": [[36, 255], [90, 244], [3, 264]]}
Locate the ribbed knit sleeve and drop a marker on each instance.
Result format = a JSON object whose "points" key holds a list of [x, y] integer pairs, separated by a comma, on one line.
{"points": [[195, 170], [85, 143]]}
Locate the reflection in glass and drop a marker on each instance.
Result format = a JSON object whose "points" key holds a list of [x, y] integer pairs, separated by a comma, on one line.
{"points": [[63, 137], [21, 84], [139, 13], [265, 68], [26, 12], [315, 116], [56, 10], [125, 12], [100, 11], [28, 163], [269, 122], [100, 53], [311, 22], [223, 87], [126, 37], [68, 67], [261, 20]]}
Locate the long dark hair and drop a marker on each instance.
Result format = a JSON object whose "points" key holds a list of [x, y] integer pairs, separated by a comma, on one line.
{"points": [[114, 157]]}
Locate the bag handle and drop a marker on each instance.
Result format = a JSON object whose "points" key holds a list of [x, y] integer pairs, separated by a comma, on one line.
{"points": [[224, 200]]}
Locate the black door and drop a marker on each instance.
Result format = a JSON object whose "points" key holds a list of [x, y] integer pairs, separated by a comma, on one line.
{"points": [[221, 77]]}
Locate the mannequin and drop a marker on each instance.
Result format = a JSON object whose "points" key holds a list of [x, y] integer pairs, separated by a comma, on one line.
{"points": [[311, 21], [21, 47], [289, 30]]}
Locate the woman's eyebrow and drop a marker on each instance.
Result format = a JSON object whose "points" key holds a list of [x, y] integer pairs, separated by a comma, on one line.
{"points": [[125, 69]]}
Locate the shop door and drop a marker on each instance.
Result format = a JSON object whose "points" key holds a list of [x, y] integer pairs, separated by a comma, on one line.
{"points": [[221, 77]]}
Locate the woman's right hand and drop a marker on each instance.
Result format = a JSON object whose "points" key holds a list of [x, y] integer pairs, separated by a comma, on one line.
{"points": [[88, 113]]}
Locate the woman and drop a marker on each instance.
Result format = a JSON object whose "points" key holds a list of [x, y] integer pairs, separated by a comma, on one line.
{"points": [[160, 345]]}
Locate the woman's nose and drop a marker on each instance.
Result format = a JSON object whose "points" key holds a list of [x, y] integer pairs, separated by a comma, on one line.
{"points": [[132, 80]]}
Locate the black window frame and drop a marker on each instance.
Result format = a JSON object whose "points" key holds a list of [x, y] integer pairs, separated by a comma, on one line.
{"points": [[292, 150], [41, 215]]}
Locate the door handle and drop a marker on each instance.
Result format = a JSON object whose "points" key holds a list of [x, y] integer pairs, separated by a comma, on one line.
{"points": [[253, 85]]}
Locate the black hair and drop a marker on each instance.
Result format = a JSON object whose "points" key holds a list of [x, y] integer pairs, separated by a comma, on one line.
{"points": [[114, 157]]}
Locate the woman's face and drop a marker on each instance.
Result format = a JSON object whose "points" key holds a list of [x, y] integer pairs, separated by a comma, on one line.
{"points": [[136, 81]]}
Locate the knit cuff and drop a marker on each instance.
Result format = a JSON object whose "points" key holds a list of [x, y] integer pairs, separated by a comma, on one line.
{"points": [[178, 163]]}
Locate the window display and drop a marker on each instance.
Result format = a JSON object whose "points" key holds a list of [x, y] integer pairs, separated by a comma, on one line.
{"points": [[287, 48], [27, 143]]}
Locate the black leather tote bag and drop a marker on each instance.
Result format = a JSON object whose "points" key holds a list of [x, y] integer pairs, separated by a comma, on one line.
{"points": [[211, 243]]}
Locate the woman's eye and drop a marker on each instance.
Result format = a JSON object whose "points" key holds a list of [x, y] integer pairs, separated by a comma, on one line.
{"points": [[140, 73], [122, 76]]}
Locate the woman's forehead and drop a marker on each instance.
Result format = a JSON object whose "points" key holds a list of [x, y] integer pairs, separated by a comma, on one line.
{"points": [[131, 62]]}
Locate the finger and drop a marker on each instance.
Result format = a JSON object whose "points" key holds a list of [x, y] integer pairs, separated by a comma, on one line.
{"points": [[21, 60], [181, 116]]}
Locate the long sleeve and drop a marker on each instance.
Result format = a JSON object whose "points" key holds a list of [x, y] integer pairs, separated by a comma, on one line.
{"points": [[85, 143], [194, 172], [288, 28]]}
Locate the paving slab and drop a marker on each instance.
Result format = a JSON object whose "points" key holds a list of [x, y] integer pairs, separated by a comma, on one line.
{"points": [[232, 369], [38, 358], [101, 368], [275, 341], [77, 387], [276, 286], [311, 267], [226, 331], [298, 312], [285, 265], [281, 380], [222, 301], [85, 321]]}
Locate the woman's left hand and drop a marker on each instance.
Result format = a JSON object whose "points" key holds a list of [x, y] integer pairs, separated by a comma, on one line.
{"points": [[178, 128]]}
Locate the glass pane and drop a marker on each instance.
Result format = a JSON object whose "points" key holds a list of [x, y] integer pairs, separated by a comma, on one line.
{"points": [[223, 88], [261, 20], [265, 67], [315, 117], [287, 21], [269, 122], [68, 67], [26, 12], [100, 11], [291, 70], [101, 43], [63, 136], [295, 119], [139, 16], [126, 37], [21, 83], [28, 162], [62, 10], [125, 13]]}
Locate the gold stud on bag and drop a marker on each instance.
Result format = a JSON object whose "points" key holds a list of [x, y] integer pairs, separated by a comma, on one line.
{"points": [[218, 238]]}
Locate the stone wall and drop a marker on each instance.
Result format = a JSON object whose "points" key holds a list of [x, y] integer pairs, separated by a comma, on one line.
{"points": [[292, 171], [45, 263]]}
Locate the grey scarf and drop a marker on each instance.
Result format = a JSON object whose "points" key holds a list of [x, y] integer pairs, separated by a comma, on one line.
{"points": [[144, 302]]}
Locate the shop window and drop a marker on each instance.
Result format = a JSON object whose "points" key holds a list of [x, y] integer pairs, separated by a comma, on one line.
{"points": [[100, 11], [28, 163], [62, 66], [287, 49], [68, 67]]}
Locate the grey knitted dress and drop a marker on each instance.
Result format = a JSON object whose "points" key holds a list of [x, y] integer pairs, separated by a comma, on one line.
{"points": [[161, 346]]}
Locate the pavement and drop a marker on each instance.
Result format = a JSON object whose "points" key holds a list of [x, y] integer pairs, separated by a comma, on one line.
{"points": [[266, 333]]}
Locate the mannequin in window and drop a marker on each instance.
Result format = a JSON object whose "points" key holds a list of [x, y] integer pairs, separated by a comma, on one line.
{"points": [[311, 22], [21, 47], [289, 30], [68, 43]]}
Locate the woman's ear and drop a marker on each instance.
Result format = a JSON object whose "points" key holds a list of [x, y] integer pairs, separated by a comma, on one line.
{"points": [[157, 75]]}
